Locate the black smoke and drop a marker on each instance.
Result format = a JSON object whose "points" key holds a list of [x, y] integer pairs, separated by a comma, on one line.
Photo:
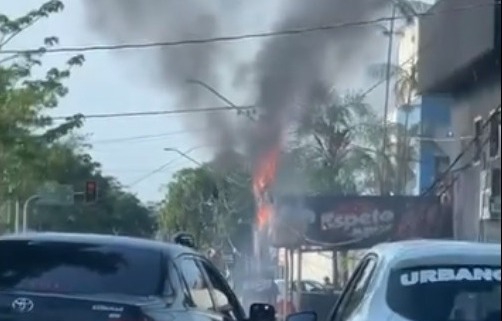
{"points": [[287, 73]]}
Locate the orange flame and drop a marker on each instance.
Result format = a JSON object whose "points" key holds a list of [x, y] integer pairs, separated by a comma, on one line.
{"points": [[263, 178]]}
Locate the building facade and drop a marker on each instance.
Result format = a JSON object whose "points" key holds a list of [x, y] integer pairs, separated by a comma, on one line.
{"points": [[460, 58], [429, 113]]}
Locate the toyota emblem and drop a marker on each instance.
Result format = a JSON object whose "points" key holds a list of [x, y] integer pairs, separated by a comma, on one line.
{"points": [[22, 305]]}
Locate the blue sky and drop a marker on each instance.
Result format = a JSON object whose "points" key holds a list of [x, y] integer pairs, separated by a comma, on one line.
{"points": [[111, 82], [108, 84]]}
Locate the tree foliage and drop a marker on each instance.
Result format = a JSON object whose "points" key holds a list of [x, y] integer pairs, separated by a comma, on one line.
{"points": [[35, 148], [405, 91], [327, 142], [209, 204]]}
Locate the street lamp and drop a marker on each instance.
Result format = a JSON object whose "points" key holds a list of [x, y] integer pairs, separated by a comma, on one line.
{"points": [[216, 93]]}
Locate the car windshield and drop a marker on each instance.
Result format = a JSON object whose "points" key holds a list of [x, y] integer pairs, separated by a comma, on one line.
{"points": [[446, 293], [76, 268]]}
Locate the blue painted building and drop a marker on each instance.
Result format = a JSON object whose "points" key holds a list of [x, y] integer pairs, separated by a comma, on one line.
{"points": [[432, 114]]}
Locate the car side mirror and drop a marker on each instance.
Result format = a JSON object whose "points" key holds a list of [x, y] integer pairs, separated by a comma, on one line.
{"points": [[303, 316], [261, 312]]}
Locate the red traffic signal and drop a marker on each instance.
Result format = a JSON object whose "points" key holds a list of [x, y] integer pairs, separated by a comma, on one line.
{"points": [[91, 191]]}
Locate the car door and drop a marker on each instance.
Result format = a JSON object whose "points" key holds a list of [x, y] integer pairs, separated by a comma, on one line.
{"points": [[353, 296], [311, 286], [225, 300], [198, 296], [174, 295]]}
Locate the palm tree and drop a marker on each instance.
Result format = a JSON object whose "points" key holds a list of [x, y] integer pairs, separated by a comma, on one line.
{"points": [[405, 89], [389, 172], [325, 142], [405, 85]]}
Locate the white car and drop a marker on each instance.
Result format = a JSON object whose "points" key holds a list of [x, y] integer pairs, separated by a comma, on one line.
{"points": [[422, 281]]}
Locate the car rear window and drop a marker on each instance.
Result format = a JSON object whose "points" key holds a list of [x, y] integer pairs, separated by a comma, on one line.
{"points": [[79, 268], [456, 293]]}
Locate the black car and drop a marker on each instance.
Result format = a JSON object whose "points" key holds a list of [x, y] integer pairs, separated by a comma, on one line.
{"points": [[80, 277]]}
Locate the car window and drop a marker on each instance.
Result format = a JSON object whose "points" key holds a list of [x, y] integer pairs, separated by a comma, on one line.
{"points": [[311, 286], [357, 289], [171, 283], [79, 268], [450, 293], [197, 284], [225, 300]]}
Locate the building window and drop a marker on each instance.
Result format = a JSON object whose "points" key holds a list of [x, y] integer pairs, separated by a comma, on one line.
{"points": [[478, 139], [494, 134]]}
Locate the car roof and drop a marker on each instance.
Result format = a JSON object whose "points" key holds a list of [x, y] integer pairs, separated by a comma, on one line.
{"points": [[425, 251], [170, 249]]}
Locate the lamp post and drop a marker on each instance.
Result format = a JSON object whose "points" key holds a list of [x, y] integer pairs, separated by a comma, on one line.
{"points": [[216, 93], [213, 91]]}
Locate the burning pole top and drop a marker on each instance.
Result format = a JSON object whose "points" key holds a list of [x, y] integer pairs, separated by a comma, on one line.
{"points": [[278, 224], [263, 179]]}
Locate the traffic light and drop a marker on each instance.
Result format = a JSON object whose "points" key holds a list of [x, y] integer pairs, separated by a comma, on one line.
{"points": [[91, 191]]}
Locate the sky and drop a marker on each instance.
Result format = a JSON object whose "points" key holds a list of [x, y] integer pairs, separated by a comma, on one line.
{"points": [[109, 83], [130, 148]]}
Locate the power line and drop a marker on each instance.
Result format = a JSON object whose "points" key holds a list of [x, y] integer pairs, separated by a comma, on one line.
{"points": [[462, 153], [146, 137], [156, 112], [288, 32], [150, 137], [248, 107], [159, 169], [150, 174], [211, 109]]}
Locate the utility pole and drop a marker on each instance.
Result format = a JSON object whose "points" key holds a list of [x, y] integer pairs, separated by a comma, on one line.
{"points": [[388, 77]]}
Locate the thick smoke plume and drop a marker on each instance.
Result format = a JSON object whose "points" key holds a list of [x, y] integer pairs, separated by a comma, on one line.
{"points": [[294, 71], [288, 73], [139, 21]]}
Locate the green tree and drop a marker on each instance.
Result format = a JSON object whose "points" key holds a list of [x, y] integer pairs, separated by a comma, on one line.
{"points": [[24, 127], [34, 148], [405, 91], [211, 204], [389, 173], [189, 205], [115, 212], [327, 142]]}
